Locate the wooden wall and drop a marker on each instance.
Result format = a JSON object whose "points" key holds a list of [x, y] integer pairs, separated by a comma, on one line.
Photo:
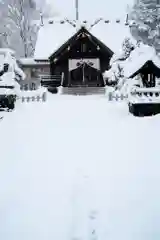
{"points": [[82, 48]]}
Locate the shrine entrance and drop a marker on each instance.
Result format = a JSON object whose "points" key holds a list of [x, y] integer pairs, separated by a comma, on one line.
{"points": [[85, 72]]}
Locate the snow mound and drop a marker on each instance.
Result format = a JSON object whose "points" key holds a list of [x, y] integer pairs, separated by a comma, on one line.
{"points": [[54, 174]]}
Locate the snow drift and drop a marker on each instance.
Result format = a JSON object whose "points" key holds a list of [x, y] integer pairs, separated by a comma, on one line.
{"points": [[71, 156]]}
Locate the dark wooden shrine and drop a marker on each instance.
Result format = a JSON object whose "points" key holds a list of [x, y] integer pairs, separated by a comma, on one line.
{"points": [[148, 72], [81, 60]]}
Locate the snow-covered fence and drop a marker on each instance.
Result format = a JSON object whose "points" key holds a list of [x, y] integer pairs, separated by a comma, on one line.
{"points": [[112, 96], [37, 98], [145, 95], [148, 92]]}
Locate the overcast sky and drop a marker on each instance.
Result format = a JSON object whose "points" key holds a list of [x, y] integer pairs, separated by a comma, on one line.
{"points": [[91, 8]]}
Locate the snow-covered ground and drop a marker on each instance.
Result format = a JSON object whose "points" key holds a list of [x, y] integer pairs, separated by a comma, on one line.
{"points": [[66, 158]]}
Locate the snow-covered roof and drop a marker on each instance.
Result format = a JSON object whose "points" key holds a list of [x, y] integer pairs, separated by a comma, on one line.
{"points": [[138, 58], [31, 62], [7, 50], [55, 33], [111, 34], [51, 36]]}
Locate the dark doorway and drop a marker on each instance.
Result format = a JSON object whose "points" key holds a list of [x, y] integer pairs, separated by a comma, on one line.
{"points": [[85, 73]]}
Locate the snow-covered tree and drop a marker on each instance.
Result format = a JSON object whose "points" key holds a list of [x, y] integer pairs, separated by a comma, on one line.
{"points": [[46, 9], [146, 22], [18, 28], [9, 69], [115, 75], [127, 48]]}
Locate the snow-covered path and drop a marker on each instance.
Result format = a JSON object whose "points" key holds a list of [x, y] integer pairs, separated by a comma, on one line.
{"points": [[63, 159]]}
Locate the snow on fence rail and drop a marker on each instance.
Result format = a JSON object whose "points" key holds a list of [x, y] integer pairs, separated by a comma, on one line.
{"points": [[139, 94], [33, 98], [112, 96], [146, 92], [145, 95]]}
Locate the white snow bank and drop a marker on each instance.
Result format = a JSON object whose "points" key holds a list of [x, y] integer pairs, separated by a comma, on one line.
{"points": [[71, 156]]}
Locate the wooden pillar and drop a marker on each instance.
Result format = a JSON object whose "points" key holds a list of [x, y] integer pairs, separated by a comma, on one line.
{"points": [[69, 79]]}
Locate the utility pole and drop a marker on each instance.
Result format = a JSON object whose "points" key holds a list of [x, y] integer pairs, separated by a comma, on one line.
{"points": [[77, 10], [77, 13]]}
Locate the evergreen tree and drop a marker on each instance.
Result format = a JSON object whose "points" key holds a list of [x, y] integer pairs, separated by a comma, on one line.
{"points": [[146, 25]]}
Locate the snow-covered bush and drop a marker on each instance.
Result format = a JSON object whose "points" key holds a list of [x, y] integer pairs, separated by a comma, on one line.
{"points": [[115, 75], [10, 71]]}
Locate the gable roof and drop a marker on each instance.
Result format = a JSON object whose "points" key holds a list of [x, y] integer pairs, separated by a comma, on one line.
{"points": [[112, 34], [50, 37], [54, 33], [139, 58], [149, 66], [75, 36]]}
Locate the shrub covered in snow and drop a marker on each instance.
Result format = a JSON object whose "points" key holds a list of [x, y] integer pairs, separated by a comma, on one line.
{"points": [[10, 71], [115, 75]]}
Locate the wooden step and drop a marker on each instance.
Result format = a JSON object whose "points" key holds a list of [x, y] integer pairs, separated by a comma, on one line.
{"points": [[83, 90]]}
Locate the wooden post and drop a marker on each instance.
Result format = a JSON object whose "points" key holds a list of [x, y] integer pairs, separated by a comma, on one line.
{"points": [[62, 78], [110, 96], [44, 97]]}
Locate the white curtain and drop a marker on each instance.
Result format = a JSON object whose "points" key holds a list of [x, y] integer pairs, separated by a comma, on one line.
{"points": [[75, 63]]}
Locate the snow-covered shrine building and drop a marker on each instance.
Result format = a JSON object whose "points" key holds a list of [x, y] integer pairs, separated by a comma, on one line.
{"points": [[71, 54], [143, 66], [142, 69]]}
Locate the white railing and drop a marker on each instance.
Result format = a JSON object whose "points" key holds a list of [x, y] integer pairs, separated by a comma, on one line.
{"points": [[117, 96], [145, 95], [37, 98], [141, 94], [146, 92]]}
